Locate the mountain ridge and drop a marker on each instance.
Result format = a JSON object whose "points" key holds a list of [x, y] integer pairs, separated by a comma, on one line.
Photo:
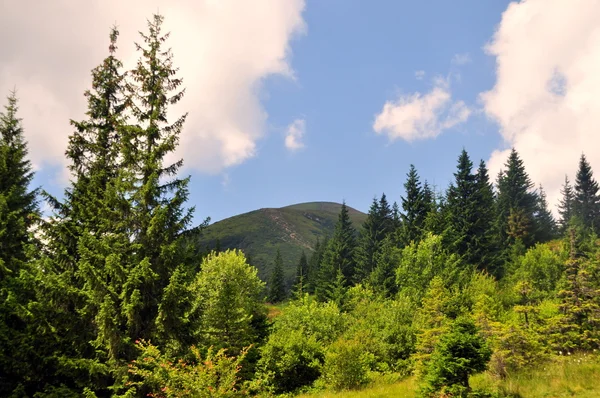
{"points": [[291, 229]]}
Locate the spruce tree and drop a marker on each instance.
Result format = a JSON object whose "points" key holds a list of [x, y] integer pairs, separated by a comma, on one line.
{"points": [[18, 213], [565, 206], [158, 195], [486, 250], [462, 210], [301, 275], [277, 281], [516, 205], [415, 209], [545, 223], [339, 257], [314, 264], [341, 247], [586, 204], [377, 226]]}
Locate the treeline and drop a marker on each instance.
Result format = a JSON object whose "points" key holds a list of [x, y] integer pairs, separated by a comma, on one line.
{"points": [[109, 297], [485, 227]]}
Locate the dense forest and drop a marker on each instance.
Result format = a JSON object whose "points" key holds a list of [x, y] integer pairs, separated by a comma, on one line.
{"points": [[109, 296]]}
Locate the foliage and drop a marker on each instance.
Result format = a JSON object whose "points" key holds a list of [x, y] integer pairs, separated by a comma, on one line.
{"points": [[227, 298], [211, 375], [293, 355], [460, 353], [347, 365], [277, 282]]}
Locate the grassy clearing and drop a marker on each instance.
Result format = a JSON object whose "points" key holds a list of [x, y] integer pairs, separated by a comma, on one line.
{"points": [[380, 388], [573, 376]]}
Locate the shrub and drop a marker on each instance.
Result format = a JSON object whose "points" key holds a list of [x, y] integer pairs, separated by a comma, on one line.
{"points": [[460, 353], [347, 365], [214, 375]]}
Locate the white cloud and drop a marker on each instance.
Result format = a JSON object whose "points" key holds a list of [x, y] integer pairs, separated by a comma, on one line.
{"points": [[224, 49], [461, 59], [421, 116], [547, 92], [294, 134], [420, 74]]}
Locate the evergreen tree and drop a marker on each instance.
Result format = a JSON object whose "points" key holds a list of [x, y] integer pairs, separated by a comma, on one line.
{"points": [[342, 245], [158, 196], [565, 206], [396, 217], [86, 240], [516, 205], [415, 209], [486, 251], [18, 204], [277, 281], [301, 274], [377, 226], [314, 264], [339, 255], [586, 204], [462, 209], [545, 223], [18, 213]]}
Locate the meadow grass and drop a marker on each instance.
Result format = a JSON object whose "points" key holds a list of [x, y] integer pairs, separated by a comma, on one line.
{"points": [[570, 376]]}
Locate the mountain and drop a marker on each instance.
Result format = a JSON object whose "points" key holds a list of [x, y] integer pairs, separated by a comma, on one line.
{"points": [[290, 229]]}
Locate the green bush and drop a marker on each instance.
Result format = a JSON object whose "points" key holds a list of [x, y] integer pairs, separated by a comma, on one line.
{"points": [[294, 353], [347, 365], [214, 375]]}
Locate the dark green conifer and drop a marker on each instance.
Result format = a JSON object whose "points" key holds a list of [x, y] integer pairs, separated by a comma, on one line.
{"points": [[565, 206], [415, 209], [377, 226], [20, 364], [586, 204], [544, 220], [516, 205], [462, 208], [277, 281], [301, 275]]}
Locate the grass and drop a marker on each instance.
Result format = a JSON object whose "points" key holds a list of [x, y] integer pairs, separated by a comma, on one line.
{"points": [[380, 388], [572, 376]]}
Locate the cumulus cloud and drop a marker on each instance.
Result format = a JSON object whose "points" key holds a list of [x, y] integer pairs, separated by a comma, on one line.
{"points": [[546, 97], [294, 134], [224, 49], [420, 74], [461, 59], [420, 116]]}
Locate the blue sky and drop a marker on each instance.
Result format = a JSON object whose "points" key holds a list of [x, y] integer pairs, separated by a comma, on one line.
{"points": [[366, 88], [355, 56]]}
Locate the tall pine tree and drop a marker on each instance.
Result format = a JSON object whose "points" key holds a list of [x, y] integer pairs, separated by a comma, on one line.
{"points": [[415, 209], [18, 213], [277, 281], [377, 226], [565, 206], [516, 205], [586, 204], [544, 220], [462, 208], [338, 259]]}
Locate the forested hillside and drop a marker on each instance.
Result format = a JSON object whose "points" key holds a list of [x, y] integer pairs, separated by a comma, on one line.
{"points": [[109, 296], [260, 233]]}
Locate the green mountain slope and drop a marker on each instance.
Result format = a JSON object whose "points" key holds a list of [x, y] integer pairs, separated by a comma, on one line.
{"points": [[290, 229]]}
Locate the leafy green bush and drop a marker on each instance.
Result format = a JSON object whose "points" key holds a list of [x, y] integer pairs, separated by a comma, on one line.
{"points": [[294, 353], [215, 375], [347, 365]]}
